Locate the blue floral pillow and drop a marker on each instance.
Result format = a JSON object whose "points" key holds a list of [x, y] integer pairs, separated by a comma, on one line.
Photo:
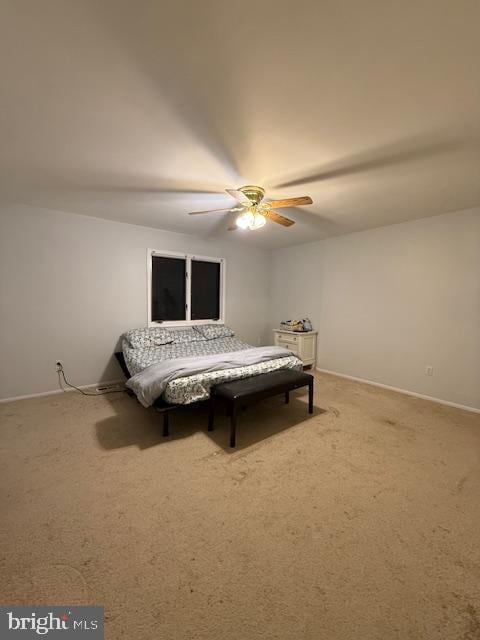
{"points": [[141, 338], [212, 331]]}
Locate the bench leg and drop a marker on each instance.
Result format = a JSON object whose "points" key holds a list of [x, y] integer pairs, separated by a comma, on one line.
{"points": [[165, 424], [310, 397], [211, 415], [287, 397], [233, 425]]}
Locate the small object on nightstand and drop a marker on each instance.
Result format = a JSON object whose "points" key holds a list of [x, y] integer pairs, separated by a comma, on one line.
{"points": [[296, 325], [307, 325], [301, 343]]}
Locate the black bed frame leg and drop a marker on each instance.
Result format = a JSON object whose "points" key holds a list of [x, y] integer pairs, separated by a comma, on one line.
{"points": [[166, 432], [310, 397], [233, 425], [287, 397]]}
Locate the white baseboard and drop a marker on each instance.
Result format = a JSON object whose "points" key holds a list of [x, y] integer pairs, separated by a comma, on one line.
{"points": [[51, 393], [404, 391], [332, 373]]}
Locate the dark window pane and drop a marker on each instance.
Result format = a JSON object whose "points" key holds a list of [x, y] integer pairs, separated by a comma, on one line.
{"points": [[205, 290], [168, 288]]}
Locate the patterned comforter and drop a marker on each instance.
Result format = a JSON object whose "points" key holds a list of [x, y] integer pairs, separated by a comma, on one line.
{"points": [[197, 387]]}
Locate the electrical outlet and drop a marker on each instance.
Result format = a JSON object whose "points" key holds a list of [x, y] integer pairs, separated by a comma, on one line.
{"points": [[429, 370], [58, 366]]}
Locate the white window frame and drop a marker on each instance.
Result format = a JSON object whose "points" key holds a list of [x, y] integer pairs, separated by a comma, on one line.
{"points": [[188, 258]]}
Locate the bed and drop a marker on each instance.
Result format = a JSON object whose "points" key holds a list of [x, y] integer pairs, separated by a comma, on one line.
{"points": [[147, 350]]}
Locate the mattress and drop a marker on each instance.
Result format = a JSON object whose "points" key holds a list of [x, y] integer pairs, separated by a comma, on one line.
{"points": [[197, 387]]}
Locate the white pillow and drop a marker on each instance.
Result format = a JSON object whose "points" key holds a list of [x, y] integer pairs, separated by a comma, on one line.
{"points": [[212, 331], [155, 336]]}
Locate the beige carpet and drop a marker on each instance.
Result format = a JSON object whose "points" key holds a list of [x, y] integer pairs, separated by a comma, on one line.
{"points": [[361, 522]]}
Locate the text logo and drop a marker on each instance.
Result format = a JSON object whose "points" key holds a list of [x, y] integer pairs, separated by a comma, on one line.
{"points": [[56, 622]]}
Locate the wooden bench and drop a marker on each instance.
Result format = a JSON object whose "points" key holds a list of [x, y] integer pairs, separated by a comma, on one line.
{"points": [[240, 392]]}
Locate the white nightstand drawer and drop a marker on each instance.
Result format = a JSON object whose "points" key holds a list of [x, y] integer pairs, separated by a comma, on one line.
{"points": [[288, 338], [302, 345], [291, 347]]}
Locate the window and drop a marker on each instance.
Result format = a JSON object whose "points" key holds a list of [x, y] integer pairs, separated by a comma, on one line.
{"points": [[168, 288], [184, 289]]}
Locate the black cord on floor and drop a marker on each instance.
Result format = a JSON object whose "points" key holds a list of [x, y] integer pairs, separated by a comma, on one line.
{"points": [[61, 373]]}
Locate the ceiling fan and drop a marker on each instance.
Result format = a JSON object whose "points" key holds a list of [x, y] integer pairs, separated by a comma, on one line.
{"points": [[253, 211]]}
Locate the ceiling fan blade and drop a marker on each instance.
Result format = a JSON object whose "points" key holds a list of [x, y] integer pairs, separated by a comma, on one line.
{"points": [[232, 220], [276, 217], [239, 195], [222, 224], [290, 202], [196, 213]]}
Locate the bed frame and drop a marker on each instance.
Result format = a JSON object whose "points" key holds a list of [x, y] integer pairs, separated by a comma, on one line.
{"points": [[238, 393], [159, 405]]}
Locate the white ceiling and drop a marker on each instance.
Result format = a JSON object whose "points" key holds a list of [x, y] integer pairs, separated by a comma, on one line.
{"points": [[111, 108]]}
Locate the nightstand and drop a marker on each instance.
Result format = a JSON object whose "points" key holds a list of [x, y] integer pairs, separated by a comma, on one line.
{"points": [[302, 344]]}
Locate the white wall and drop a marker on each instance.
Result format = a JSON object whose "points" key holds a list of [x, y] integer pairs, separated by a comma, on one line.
{"points": [[70, 285], [390, 301], [387, 302]]}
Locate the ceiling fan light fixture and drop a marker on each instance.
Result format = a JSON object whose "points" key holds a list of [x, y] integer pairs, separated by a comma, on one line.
{"points": [[258, 221], [250, 220], [254, 212], [245, 220]]}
